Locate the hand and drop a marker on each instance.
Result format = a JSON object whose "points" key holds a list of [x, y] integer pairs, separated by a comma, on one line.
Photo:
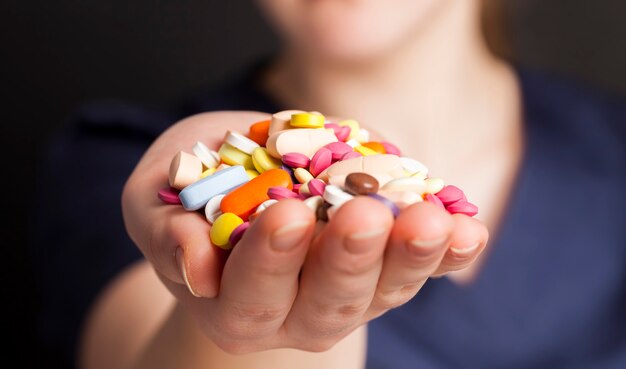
{"points": [[283, 285]]}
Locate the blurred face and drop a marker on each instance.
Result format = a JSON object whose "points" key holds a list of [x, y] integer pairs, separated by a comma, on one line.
{"points": [[349, 30]]}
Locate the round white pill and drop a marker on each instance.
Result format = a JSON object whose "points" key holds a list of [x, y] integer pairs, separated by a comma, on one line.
{"points": [[204, 154], [413, 166], [434, 185], [241, 142], [411, 184], [336, 196], [265, 204], [212, 208]]}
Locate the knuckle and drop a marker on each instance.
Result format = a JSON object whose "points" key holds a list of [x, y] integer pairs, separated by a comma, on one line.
{"points": [[390, 299], [246, 322], [332, 321]]}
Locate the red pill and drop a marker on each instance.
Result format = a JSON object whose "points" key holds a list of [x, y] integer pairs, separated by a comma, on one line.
{"points": [[321, 160]]}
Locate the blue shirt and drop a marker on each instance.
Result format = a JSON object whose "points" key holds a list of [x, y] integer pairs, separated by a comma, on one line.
{"points": [[552, 292]]}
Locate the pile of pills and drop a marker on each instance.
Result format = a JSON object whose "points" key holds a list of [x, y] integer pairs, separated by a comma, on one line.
{"points": [[299, 155]]}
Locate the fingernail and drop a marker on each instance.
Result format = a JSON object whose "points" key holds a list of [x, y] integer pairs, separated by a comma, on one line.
{"points": [[465, 251], [360, 242], [180, 259], [289, 236], [428, 244]]}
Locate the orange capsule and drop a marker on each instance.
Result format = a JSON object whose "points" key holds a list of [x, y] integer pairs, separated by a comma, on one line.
{"points": [[245, 199], [376, 146], [259, 132]]}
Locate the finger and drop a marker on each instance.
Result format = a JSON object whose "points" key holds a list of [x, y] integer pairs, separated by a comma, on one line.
{"points": [[260, 279], [417, 244], [340, 274], [185, 250], [467, 241]]}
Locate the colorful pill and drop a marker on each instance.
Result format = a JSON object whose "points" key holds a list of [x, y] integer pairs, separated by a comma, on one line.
{"points": [[296, 160], [185, 169], [402, 198], [450, 194], [363, 136], [343, 134], [241, 142], [433, 185], [320, 161], [263, 162], [259, 132], [222, 228], [412, 165], [289, 170], [303, 175], [305, 141], [385, 163], [338, 149], [395, 210], [233, 156], [205, 155], [334, 195], [196, 195], [463, 207], [376, 146], [335, 127], [365, 151], [264, 205], [391, 148], [412, 184], [307, 120], [237, 233], [208, 172], [243, 200], [303, 190], [169, 195], [280, 193], [361, 184], [212, 208], [280, 121], [351, 155], [316, 187], [252, 173], [353, 125]]}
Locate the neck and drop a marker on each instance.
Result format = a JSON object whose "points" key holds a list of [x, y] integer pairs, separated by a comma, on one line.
{"points": [[441, 82]]}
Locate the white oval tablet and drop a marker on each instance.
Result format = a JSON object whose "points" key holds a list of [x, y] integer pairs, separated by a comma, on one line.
{"points": [[413, 166], [265, 204], [204, 154], [212, 209], [411, 184], [241, 142], [336, 196], [434, 185]]}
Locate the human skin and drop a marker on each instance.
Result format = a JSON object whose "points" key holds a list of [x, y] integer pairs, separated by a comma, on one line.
{"points": [[363, 263]]}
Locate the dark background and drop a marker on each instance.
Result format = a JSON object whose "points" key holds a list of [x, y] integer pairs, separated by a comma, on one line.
{"points": [[56, 55]]}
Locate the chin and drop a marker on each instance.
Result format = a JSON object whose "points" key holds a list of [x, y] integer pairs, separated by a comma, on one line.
{"points": [[349, 30]]}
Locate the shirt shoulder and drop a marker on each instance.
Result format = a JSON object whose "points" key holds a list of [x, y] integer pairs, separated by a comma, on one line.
{"points": [[573, 116]]}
